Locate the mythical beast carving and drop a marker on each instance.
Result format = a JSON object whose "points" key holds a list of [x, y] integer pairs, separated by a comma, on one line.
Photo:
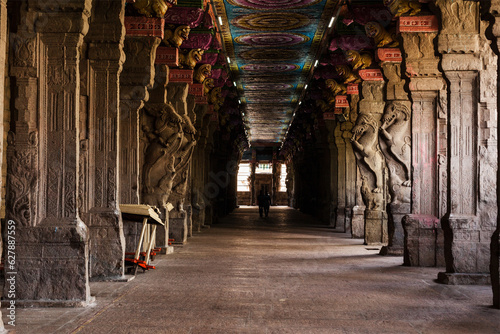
{"points": [[157, 8], [365, 141], [395, 130], [164, 141], [347, 74], [202, 73], [176, 37], [381, 36], [403, 7], [359, 60], [191, 58]]}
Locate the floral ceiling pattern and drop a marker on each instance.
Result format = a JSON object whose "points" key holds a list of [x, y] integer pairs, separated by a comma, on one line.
{"points": [[272, 46]]}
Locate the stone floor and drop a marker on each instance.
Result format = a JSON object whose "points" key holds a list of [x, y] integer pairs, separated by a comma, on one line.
{"points": [[283, 274]]}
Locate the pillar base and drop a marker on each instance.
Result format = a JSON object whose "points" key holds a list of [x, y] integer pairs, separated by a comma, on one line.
{"points": [[358, 222], [51, 263], [392, 251], [464, 278], [423, 241], [376, 227], [178, 227]]}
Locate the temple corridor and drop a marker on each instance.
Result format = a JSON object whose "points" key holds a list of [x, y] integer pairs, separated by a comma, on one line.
{"points": [[284, 274]]}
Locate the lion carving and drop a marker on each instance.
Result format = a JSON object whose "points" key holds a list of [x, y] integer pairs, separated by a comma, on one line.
{"points": [[208, 85], [395, 129], [359, 60], [191, 58], [150, 8], [347, 74], [365, 142], [203, 72], [381, 36], [403, 7], [176, 37]]}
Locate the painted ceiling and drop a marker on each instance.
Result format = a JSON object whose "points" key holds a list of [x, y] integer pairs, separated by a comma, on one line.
{"points": [[272, 46]]}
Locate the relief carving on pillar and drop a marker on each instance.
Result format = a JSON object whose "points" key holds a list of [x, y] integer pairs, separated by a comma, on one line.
{"points": [[395, 133], [182, 159], [365, 143], [459, 16], [163, 129], [22, 186], [24, 51]]}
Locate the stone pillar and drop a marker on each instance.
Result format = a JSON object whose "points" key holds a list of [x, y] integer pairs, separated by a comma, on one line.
{"points": [[428, 145], [495, 239], [43, 156], [371, 162], [161, 138], [178, 217], [470, 66], [395, 142], [98, 174], [336, 145], [350, 175], [137, 76], [199, 168]]}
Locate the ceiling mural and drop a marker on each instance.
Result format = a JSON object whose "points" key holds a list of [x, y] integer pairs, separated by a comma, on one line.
{"points": [[272, 46]]}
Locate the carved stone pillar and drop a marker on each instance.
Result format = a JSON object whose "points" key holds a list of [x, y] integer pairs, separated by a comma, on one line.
{"points": [[395, 142], [350, 176], [470, 66], [198, 198], [161, 138], [336, 145], [137, 76], [51, 240], [98, 175], [428, 146], [178, 219], [495, 239], [371, 162]]}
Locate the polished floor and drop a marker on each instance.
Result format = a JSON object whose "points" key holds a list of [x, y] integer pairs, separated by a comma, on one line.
{"points": [[283, 274]]}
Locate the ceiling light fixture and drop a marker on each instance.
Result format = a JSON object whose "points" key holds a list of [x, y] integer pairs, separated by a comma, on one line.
{"points": [[316, 63], [305, 87], [234, 83], [220, 20], [331, 22], [228, 60]]}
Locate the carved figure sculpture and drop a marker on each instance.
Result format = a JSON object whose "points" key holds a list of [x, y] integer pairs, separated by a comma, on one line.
{"points": [[381, 36], [367, 195], [150, 8], [191, 58], [203, 72], [164, 140], [359, 60], [182, 158], [347, 74], [401, 7], [176, 37], [208, 85], [365, 141], [395, 129]]}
